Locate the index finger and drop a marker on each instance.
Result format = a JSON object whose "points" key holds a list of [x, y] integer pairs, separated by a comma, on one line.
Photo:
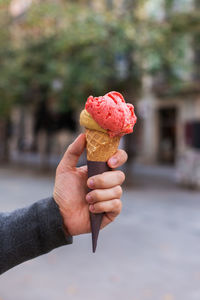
{"points": [[118, 159], [106, 180], [72, 154]]}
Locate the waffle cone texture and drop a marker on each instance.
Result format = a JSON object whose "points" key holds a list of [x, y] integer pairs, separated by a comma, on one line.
{"points": [[100, 146]]}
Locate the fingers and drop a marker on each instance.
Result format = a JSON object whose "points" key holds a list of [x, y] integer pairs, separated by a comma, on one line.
{"points": [[104, 195], [111, 207], [106, 180], [73, 152], [118, 159]]}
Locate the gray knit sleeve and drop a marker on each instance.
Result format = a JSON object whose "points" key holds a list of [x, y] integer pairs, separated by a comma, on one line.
{"points": [[29, 232]]}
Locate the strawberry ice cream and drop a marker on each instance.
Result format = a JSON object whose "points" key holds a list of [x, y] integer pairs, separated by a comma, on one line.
{"points": [[112, 113]]}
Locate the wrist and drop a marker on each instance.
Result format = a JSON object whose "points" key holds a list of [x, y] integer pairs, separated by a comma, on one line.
{"points": [[62, 214]]}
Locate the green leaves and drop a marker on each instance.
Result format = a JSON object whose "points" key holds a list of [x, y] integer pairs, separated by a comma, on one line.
{"points": [[65, 51], [66, 43]]}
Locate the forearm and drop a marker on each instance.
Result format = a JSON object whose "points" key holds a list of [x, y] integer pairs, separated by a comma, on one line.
{"points": [[30, 232]]}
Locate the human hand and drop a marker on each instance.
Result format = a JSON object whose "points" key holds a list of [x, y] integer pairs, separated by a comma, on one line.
{"points": [[71, 190]]}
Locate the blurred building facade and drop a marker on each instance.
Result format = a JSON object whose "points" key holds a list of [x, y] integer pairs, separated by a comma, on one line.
{"points": [[167, 130], [170, 130], [40, 135]]}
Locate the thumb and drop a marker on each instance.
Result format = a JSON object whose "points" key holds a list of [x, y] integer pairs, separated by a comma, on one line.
{"points": [[74, 151]]}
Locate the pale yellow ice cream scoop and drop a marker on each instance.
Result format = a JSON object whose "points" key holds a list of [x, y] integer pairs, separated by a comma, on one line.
{"points": [[88, 122]]}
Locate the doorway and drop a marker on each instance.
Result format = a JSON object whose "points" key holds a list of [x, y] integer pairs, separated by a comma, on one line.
{"points": [[167, 133]]}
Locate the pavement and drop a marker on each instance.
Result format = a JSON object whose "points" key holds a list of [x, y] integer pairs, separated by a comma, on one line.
{"points": [[151, 252]]}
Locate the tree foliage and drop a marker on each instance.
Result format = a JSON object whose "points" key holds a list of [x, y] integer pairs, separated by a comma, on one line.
{"points": [[63, 52]]}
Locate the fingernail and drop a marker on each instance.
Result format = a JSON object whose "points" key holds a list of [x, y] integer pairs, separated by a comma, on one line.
{"points": [[113, 161], [89, 198], [91, 183]]}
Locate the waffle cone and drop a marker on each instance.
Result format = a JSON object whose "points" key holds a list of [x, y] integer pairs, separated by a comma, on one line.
{"points": [[100, 146]]}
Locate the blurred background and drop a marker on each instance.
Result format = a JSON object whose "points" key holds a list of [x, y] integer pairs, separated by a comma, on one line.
{"points": [[53, 55]]}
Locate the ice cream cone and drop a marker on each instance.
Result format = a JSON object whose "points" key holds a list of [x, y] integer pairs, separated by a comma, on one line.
{"points": [[100, 147], [105, 118]]}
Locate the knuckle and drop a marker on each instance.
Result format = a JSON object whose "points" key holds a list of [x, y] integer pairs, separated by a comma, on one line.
{"points": [[124, 156], [118, 191], [118, 205], [69, 149], [121, 176]]}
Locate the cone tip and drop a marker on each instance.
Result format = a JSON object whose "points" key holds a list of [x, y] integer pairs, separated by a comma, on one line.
{"points": [[94, 246]]}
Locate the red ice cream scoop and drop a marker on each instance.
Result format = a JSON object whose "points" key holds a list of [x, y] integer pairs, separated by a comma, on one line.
{"points": [[112, 113]]}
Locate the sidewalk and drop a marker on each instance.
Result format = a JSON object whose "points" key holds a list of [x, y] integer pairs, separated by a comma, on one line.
{"points": [[151, 252]]}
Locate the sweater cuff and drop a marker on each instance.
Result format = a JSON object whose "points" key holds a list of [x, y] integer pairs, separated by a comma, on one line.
{"points": [[52, 233]]}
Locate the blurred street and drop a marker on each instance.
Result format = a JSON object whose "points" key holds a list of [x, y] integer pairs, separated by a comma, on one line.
{"points": [[152, 251]]}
